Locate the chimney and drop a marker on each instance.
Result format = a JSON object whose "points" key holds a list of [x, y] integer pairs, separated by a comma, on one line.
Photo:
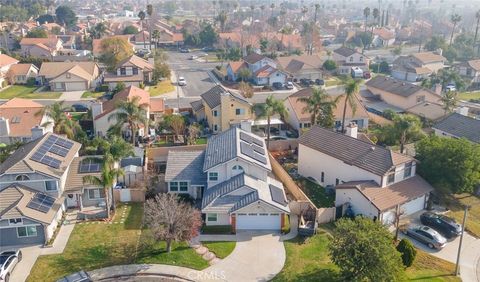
{"points": [[438, 88], [4, 127], [246, 125], [439, 51], [97, 109], [352, 130], [462, 110], [37, 132]]}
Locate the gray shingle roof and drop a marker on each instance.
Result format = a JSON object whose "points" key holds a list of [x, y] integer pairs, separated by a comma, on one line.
{"points": [[395, 86], [223, 188], [186, 166], [246, 200], [460, 126], [344, 51], [220, 148], [197, 105], [253, 58], [213, 96], [19, 155], [352, 151]]}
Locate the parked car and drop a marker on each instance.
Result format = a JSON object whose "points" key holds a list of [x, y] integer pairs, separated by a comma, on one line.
{"points": [[182, 81], [292, 134], [289, 85], [208, 49], [184, 50], [80, 276], [193, 57], [277, 85], [447, 226], [426, 235], [451, 87], [275, 138], [79, 108], [8, 261], [319, 81]]}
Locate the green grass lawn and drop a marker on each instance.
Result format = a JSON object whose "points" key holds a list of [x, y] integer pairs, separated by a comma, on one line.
{"points": [[162, 87], [469, 96], [92, 94], [308, 260], [96, 245], [23, 91], [316, 193], [201, 141], [456, 204], [221, 249], [332, 82]]}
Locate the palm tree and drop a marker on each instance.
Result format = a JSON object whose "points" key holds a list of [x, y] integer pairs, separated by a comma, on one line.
{"points": [[252, 8], [317, 7], [150, 13], [272, 7], [142, 16], [222, 18], [352, 87], [271, 107], [133, 113], [106, 179], [156, 37], [366, 14], [406, 128], [376, 15], [319, 105], [455, 19], [449, 101], [62, 124], [477, 16]]}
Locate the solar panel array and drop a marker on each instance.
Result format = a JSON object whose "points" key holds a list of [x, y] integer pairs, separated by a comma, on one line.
{"points": [[247, 150], [277, 195], [53, 144], [41, 202], [249, 139], [88, 165]]}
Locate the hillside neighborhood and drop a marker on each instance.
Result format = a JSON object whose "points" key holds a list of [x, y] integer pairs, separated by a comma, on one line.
{"points": [[239, 140]]}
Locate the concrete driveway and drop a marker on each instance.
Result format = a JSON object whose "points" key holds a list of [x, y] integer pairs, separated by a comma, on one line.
{"points": [[258, 256]]}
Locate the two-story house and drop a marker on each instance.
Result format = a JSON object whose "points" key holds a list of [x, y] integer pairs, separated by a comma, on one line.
{"points": [[70, 76], [131, 71], [6, 63], [222, 109], [401, 94], [382, 37], [303, 66], [417, 66], [40, 47], [470, 70], [372, 180], [232, 178], [347, 58], [32, 182], [263, 70]]}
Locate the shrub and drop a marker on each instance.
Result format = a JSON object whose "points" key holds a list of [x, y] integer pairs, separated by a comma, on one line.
{"points": [[31, 81], [142, 85], [329, 65], [103, 88], [407, 251]]}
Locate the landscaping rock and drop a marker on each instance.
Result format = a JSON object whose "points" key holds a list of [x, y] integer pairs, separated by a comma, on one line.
{"points": [[214, 261], [201, 251], [208, 256]]}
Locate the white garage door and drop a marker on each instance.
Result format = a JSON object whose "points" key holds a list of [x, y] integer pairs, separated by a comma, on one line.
{"points": [[259, 221], [75, 86], [414, 205]]}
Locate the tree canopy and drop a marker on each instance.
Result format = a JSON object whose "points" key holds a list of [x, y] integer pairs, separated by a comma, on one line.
{"points": [[37, 33], [66, 16], [450, 165], [364, 251], [114, 50], [130, 30]]}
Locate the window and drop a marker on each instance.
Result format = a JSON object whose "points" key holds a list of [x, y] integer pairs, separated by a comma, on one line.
{"points": [[96, 194], [215, 113], [337, 181], [211, 217], [174, 186], [123, 71], [322, 177], [183, 186], [408, 170], [215, 127], [239, 112], [351, 59], [213, 176], [135, 70], [306, 125], [391, 178], [15, 221], [237, 168], [27, 231], [51, 185], [22, 177], [274, 214], [361, 59]]}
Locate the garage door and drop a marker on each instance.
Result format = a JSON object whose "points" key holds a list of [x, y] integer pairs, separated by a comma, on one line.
{"points": [[259, 221], [75, 86], [414, 205]]}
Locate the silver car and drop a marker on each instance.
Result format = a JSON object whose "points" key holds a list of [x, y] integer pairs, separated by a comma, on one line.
{"points": [[426, 235], [8, 261]]}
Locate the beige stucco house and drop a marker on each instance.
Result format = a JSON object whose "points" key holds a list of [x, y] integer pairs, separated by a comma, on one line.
{"points": [[21, 73], [70, 76], [131, 71], [347, 58]]}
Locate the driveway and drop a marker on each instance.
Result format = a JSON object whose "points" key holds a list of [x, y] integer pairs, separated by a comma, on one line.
{"points": [[258, 256]]}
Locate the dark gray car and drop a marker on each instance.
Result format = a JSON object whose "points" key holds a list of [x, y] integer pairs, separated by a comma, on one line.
{"points": [[426, 235]]}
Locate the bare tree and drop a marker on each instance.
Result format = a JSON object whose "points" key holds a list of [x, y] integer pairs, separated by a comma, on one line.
{"points": [[193, 133], [172, 220], [177, 123], [245, 89]]}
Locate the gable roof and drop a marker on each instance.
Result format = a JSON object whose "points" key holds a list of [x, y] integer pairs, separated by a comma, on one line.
{"points": [[266, 71], [253, 58], [474, 64], [126, 94], [397, 87], [373, 158], [225, 187], [136, 61], [389, 197], [384, 33], [83, 69], [428, 110], [74, 180], [428, 57], [78, 72], [344, 51], [186, 166], [236, 66], [292, 64], [20, 69], [213, 96], [460, 126], [6, 60], [49, 42], [22, 116]]}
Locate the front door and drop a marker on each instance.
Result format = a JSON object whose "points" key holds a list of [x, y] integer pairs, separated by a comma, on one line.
{"points": [[73, 201], [199, 192]]}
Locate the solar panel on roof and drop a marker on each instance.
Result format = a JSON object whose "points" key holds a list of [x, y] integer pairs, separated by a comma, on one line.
{"points": [[277, 195], [249, 152], [64, 143], [41, 202], [52, 162], [58, 150], [89, 166]]}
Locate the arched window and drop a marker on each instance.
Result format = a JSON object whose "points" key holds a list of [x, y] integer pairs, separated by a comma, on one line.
{"points": [[237, 168], [22, 177]]}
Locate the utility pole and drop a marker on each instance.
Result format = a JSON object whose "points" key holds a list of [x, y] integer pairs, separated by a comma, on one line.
{"points": [[457, 266], [178, 93]]}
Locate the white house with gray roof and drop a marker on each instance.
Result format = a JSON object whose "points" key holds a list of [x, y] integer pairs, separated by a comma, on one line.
{"points": [[457, 125], [232, 178]]}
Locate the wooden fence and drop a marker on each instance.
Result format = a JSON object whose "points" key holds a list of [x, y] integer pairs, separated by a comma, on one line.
{"points": [[283, 145], [129, 195]]}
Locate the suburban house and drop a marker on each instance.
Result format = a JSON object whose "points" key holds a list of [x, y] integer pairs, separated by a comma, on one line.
{"points": [[301, 120], [157, 109], [458, 125], [222, 109], [417, 66], [263, 69], [427, 111], [21, 73], [383, 37], [40, 47], [102, 111], [32, 181], [232, 179], [302, 67], [6, 63], [70, 76], [347, 58], [233, 69], [19, 121], [371, 180], [400, 94], [470, 70], [131, 71]]}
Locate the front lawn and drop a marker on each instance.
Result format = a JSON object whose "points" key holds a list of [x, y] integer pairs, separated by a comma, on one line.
{"points": [[469, 96], [23, 91], [221, 248], [96, 245], [92, 94], [308, 260], [333, 82], [456, 205], [162, 87]]}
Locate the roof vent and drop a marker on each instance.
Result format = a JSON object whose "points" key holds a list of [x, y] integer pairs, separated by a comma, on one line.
{"points": [[372, 148]]}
